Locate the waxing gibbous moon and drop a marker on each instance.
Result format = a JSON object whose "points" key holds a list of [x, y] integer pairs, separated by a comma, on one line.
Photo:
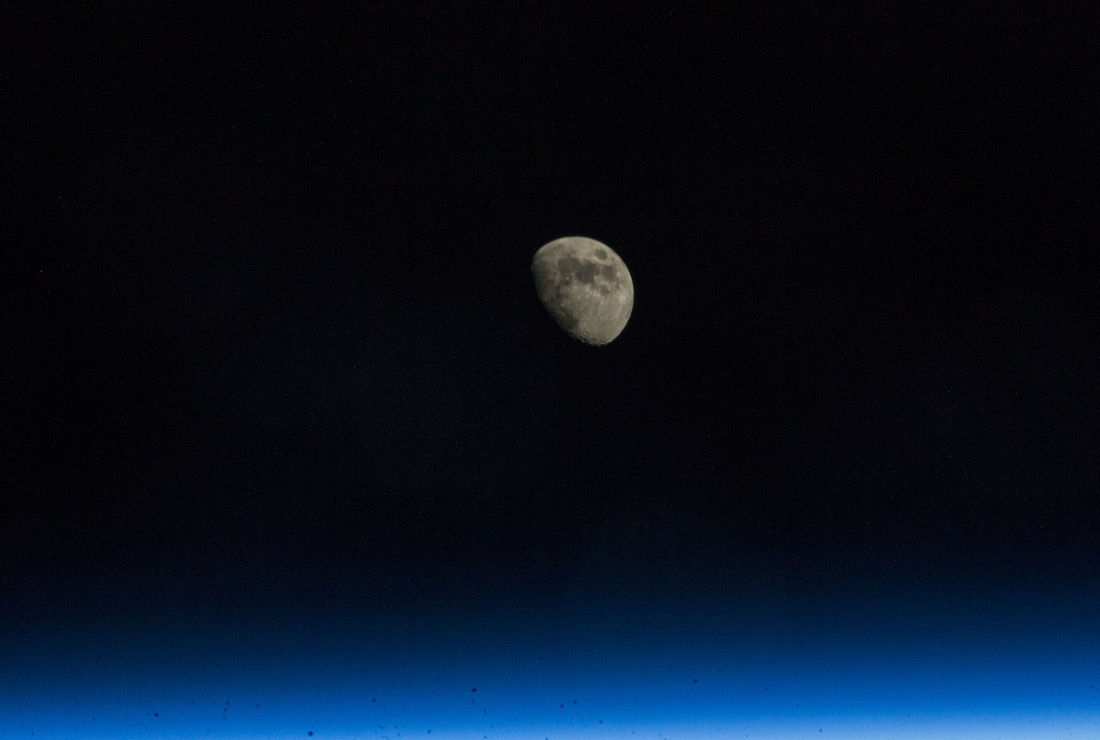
{"points": [[585, 287]]}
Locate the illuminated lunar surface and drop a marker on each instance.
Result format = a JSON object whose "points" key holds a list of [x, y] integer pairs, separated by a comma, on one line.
{"points": [[585, 287]]}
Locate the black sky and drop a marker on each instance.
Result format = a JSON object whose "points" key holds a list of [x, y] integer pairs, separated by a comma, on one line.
{"points": [[270, 335]]}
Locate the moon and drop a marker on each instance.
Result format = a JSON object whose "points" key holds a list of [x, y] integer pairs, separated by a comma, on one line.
{"points": [[585, 287]]}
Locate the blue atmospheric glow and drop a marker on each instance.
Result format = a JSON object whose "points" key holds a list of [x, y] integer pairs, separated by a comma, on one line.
{"points": [[536, 682]]}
